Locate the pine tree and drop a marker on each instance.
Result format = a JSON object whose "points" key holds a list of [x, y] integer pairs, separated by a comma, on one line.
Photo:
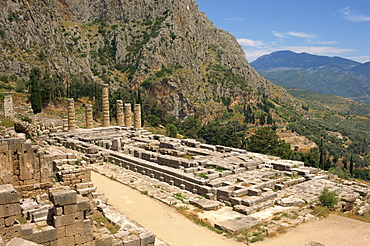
{"points": [[269, 119], [351, 165], [35, 91]]}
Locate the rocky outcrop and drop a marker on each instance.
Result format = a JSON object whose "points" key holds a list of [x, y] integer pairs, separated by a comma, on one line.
{"points": [[168, 48]]}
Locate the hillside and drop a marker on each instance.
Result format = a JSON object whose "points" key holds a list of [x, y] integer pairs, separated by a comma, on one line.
{"points": [[321, 74], [168, 50]]}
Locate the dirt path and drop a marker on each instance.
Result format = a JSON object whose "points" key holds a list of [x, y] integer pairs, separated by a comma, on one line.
{"points": [[168, 225], [332, 231]]}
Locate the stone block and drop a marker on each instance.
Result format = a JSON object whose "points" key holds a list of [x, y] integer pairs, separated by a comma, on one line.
{"points": [[21, 242], [67, 241], [68, 219], [9, 221], [254, 192], [49, 234], [58, 211], [83, 238], [8, 194], [131, 240], [106, 240], [7, 210], [36, 236], [27, 229], [147, 238], [70, 209], [79, 228], [63, 197]]}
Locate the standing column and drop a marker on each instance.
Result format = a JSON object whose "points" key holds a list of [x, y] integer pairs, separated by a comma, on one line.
{"points": [[89, 117], [8, 105], [128, 115], [120, 115], [105, 102], [137, 116], [71, 114]]}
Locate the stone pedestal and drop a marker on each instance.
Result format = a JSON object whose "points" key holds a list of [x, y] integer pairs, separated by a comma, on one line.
{"points": [[8, 105], [128, 115], [137, 116], [120, 115], [89, 117], [105, 102], [71, 114]]}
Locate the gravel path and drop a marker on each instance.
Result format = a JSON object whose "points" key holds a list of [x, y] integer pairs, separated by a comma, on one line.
{"points": [[164, 221], [332, 231]]}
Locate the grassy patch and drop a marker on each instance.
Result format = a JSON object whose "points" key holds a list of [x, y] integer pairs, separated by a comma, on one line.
{"points": [[104, 222], [321, 211]]}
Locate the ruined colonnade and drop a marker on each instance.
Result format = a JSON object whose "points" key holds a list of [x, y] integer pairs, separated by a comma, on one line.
{"points": [[125, 116]]}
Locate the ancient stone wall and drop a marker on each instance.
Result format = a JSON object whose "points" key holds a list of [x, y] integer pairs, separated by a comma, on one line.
{"points": [[24, 166]]}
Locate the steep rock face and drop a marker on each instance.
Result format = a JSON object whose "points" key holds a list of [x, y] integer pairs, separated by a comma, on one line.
{"points": [[168, 48]]}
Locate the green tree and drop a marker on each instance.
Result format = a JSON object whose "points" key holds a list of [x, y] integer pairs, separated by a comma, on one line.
{"points": [[266, 141], [171, 130], [35, 91]]}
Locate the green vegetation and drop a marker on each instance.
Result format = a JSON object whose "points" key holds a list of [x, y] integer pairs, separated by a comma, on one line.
{"points": [[328, 198], [35, 90], [266, 141]]}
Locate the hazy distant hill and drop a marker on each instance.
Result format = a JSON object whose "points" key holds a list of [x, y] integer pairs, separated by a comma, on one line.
{"points": [[322, 74]]}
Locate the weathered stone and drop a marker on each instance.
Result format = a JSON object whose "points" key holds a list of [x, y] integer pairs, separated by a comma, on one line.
{"points": [[131, 240], [8, 194], [105, 105], [120, 114], [89, 117], [21, 242], [63, 197], [128, 115], [7, 210], [137, 116], [68, 219], [71, 114]]}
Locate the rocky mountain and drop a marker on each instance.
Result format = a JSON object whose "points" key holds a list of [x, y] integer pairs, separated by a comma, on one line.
{"points": [[168, 49], [321, 74]]}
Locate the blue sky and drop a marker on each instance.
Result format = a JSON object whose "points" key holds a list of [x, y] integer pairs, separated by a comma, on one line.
{"points": [[321, 27]]}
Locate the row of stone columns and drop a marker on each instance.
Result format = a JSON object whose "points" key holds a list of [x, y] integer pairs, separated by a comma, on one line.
{"points": [[124, 113]]}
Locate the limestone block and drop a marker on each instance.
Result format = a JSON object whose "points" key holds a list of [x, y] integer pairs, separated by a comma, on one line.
{"points": [[36, 236], [9, 210], [57, 211], [9, 221], [67, 241], [254, 192], [70, 209], [21, 242], [106, 240], [49, 234], [68, 219], [131, 240], [79, 228], [83, 203], [8, 194], [287, 202], [83, 238], [63, 197], [27, 229]]}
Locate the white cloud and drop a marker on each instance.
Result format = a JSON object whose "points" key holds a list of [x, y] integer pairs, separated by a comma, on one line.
{"points": [[353, 15], [324, 42], [250, 42], [318, 49], [279, 35], [301, 35], [254, 54], [361, 59]]}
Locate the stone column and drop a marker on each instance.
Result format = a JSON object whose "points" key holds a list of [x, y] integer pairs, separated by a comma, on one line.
{"points": [[137, 116], [71, 114], [120, 115], [128, 115], [8, 105], [89, 117], [105, 102]]}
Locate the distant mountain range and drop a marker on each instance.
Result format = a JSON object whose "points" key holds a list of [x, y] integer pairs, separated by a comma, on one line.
{"points": [[321, 74]]}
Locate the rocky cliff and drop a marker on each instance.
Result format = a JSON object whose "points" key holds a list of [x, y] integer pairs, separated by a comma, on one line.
{"points": [[167, 48]]}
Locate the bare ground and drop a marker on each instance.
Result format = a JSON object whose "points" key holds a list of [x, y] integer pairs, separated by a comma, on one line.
{"points": [[174, 229]]}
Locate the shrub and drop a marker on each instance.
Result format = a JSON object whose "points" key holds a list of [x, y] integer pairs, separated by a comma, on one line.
{"points": [[328, 198]]}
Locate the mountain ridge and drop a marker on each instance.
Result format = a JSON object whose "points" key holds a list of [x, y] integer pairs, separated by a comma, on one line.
{"points": [[168, 49], [321, 74]]}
